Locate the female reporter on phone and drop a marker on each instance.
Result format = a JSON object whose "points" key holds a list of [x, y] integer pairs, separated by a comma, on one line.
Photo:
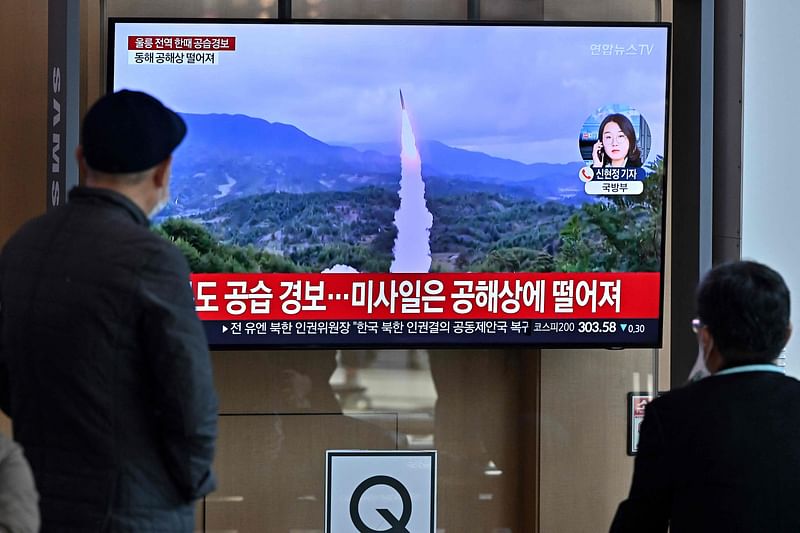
{"points": [[616, 143]]}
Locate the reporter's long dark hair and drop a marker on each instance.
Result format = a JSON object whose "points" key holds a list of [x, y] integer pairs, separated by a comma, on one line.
{"points": [[634, 154]]}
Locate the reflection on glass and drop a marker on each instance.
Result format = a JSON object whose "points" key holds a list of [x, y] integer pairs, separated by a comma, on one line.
{"points": [[451, 401], [282, 415]]}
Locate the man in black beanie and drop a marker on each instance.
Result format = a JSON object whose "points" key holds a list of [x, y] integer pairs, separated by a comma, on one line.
{"points": [[104, 365]]}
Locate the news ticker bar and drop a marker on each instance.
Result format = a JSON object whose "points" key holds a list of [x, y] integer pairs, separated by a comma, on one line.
{"points": [[288, 333], [418, 297]]}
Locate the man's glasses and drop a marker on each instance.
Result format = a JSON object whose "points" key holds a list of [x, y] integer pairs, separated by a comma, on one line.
{"points": [[697, 325]]}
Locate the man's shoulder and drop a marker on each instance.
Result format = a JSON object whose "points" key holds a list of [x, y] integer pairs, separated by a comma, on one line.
{"points": [[161, 256], [105, 233], [31, 228], [76, 220], [718, 386]]}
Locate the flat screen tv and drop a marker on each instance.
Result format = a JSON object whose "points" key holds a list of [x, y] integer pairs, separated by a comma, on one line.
{"points": [[425, 184]]}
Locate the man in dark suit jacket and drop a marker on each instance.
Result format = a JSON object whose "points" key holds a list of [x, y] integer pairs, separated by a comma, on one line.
{"points": [[104, 365], [723, 454]]}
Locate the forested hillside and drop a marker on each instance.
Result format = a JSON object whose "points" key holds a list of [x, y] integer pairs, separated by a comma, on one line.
{"points": [[475, 232]]}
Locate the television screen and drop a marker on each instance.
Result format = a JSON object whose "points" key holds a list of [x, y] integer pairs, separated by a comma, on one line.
{"points": [[429, 184]]}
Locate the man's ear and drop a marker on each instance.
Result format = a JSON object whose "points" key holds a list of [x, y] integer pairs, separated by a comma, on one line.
{"points": [[788, 334], [161, 175]]}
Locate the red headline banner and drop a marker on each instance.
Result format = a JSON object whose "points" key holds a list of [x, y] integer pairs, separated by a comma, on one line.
{"points": [[181, 42], [426, 296]]}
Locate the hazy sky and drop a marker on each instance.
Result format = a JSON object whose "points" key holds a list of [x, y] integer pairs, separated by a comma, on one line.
{"points": [[518, 92]]}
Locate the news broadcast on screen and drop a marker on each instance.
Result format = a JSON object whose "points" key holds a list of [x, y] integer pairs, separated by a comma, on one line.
{"points": [[428, 184]]}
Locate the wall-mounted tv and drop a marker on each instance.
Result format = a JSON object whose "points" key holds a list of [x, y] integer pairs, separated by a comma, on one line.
{"points": [[432, 184]]}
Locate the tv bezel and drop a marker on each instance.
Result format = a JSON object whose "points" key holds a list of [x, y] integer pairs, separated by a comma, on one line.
{"points": [[109, 75]]}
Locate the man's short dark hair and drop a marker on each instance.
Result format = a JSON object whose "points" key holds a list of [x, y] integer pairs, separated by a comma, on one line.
{"points": [[745, 306]]}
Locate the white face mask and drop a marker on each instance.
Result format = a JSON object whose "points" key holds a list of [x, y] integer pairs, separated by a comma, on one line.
{"points": [[162, 203], [699, 370]]}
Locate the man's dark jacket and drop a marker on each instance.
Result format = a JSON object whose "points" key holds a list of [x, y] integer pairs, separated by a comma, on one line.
{"points": [[105, 369], [720, 455]]}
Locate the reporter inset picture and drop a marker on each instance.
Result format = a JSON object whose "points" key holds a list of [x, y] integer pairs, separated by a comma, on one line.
{"points": [[615, 135]]}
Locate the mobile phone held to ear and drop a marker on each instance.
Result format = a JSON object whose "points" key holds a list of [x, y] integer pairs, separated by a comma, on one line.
{"points": [[601, 154]]}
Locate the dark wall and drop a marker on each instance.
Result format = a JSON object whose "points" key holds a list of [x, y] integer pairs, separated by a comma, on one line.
{"points": [[726, 178], [728, 87], [685, 128]]}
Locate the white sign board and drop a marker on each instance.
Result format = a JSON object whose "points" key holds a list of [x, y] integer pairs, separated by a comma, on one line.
{"points": [[380, 492]]}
